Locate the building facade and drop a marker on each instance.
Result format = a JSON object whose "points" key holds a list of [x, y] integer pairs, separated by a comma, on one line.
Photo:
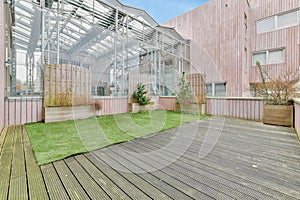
{"points": [[229, 36]]}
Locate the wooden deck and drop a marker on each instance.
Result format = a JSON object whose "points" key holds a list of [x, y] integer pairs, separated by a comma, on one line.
{"points": [[249, 161]]}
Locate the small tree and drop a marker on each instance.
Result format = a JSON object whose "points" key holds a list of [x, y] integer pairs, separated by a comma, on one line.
{"points": [[276, 91], [140, 95], [185, 94]]}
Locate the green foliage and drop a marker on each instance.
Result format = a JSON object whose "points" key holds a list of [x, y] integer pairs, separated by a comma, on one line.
{"points": [[140, 95], [276, 90], [185, 94]]}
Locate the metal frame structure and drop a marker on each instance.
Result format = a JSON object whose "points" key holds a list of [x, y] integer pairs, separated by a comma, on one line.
{"points": [[107, 37]]}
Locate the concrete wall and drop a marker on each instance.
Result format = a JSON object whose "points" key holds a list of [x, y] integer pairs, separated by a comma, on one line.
{"points": [[2, 64]]}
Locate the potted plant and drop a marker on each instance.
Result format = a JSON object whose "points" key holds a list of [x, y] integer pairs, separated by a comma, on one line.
{"points": [[185, 99], [141, 102], [278, 93]]}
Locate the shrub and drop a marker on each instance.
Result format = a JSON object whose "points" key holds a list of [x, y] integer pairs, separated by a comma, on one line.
{"points": [[140, 95]]}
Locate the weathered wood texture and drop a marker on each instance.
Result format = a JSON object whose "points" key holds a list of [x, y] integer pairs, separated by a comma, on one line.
{"points": [[217, 32], [198, 86], [21, 178], [288, 38], [57, 114], [2, 61], [134, 80], [167, 103], [66, 84], [112, 105], [278, 115], [248, 161], [246, 108], [297, 117], [23, 110]]}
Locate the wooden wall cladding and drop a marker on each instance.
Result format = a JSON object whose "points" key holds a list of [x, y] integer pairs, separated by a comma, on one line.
{"points": [[66, 85]]}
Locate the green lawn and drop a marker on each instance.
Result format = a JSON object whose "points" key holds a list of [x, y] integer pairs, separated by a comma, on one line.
{"points": [[55, 141]]}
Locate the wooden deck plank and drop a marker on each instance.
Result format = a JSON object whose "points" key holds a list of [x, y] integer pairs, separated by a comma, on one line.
{"points": [[176, 183], [53, 183], [36, 186], [5, 162], [197, 169], [120, 181], [107, 156], [18, 181], [89, 185], [199, 175], [108, 185], [250, 174], [2, 137], [72, 186]]}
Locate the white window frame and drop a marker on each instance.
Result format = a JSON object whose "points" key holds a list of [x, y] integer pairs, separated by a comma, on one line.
{"points": [[276, 21], [267, 56]]}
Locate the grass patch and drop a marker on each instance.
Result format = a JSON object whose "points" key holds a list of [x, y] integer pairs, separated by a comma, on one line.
{"points": [[55, 141]]}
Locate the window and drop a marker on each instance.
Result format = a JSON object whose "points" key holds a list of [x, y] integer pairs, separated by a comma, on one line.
{"points": [[276, 56], [209, 90], [266, 25], [260, 57], [220, 89], [278, 22], [268, 57], [286, 20]]}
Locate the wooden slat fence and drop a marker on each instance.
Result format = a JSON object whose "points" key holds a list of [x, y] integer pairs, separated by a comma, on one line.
{"points": [[23, 110], [198, 86], [66, 84], [134, 80], [246, 108]]}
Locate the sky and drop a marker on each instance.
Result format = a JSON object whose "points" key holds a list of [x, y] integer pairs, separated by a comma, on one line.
{"points": [[164, 10]]}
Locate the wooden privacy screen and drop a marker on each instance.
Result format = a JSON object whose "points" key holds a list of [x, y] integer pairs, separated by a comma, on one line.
{"points": [[198, 86], [134, 80], [66, 85]]}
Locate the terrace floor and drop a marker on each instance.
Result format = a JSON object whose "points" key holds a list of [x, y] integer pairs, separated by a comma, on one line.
{"points": [[248, 160]]}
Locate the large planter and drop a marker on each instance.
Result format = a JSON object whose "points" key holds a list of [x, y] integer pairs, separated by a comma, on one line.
{"points": [[191, 108], [136, 107], [278, 115], [56, 114]]}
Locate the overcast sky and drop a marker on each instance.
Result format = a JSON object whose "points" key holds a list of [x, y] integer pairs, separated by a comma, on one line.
{"points": [[164, 10]]}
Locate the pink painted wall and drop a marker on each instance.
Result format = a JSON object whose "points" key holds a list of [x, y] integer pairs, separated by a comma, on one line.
{"points": [[23, 110], [288, 38], [112, 105], [297, 117], [2, 64], [167, 103], [246, 108], [219, 48]]}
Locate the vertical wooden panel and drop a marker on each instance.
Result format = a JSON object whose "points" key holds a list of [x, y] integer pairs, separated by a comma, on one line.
{"points": [[246, 108], [2, 67], [64, 83], [23, 110], [297, 117]]}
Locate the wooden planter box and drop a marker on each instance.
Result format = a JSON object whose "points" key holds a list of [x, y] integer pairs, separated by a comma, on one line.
{"points": [[57, 114], [278, 115], [136, 107], [191, 108]]}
